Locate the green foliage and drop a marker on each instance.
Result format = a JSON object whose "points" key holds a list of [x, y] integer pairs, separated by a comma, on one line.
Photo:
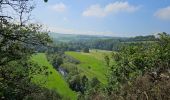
{"points": [[18, 41], [141, 72], [107, 60], [94, 92], [17, 44], [141, 38], [70, 68], [94, 82], [78, 83], [136, 61], [54, 81], [16, 80], [86, 50], [45, 94], [148, 86]]}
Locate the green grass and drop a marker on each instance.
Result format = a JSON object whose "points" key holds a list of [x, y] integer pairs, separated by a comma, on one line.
{"points": [[54, 81], [94, 60]]}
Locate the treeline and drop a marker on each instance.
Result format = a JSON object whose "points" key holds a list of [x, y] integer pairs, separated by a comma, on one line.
{"points": [[114, 44], [140, 38]]}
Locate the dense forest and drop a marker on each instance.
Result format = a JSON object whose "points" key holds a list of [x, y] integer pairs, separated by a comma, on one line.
{"points": [[36, 66]]}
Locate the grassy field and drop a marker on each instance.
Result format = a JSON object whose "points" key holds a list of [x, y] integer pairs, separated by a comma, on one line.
{"points": [[54, 81], [92, 64]]}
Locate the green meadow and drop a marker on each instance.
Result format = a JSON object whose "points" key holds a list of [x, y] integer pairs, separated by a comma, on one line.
{"points": [[54, 81], [92, 64]]}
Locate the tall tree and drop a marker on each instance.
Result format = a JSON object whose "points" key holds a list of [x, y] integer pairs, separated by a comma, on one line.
{"points": [[18, 41]]}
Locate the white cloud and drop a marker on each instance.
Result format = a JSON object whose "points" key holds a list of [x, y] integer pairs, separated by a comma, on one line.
{"points": [[65, 19], [163, 13], [60, 7], [98, 11], [94, 10]]}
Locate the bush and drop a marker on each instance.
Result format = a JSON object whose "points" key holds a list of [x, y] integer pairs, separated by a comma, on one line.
{"points": [[86, 50]]}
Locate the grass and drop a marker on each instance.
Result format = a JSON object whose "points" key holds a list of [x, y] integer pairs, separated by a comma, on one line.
{"points": [[54, 81], [92, 64]]}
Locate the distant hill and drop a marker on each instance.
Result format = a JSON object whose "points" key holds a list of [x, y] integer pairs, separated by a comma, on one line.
{"points": [[71, 42], [57, 37]]}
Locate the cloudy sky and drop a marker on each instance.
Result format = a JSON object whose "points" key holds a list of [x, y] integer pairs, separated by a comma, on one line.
{"points": [[104, 17]]}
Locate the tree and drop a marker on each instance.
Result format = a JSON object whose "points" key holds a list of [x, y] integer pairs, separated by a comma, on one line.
{"points": [[86, 50], [107, 60], [45, 0], [141, 70], [18, 40], [17, 43]]}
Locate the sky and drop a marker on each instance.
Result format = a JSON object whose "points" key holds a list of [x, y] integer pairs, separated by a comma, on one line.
{"points": [[104, 17]]}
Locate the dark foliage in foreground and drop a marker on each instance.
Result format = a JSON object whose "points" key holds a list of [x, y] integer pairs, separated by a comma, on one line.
{"points": [[141, 72], [17, 43]]}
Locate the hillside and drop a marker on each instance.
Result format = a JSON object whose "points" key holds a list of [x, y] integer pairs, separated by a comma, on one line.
{"points": [[92, 64], [54, 81]]}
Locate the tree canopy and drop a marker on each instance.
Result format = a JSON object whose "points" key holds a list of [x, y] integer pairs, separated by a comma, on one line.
{"points": [[18, 41]]}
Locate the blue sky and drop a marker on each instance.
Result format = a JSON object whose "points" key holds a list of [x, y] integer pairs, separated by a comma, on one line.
{"points": [[104, 17]]}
